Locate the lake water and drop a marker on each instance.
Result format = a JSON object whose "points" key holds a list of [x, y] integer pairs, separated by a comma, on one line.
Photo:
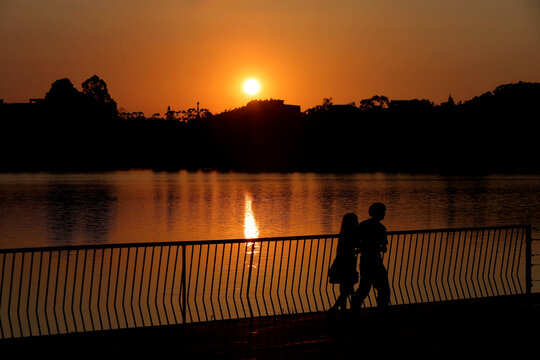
{"points": [[144, 206]]}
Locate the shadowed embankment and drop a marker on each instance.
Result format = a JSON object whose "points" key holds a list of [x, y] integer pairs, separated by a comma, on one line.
{"points": [[494, 326]]}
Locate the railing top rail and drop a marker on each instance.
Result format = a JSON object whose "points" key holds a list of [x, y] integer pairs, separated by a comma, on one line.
{"points": [[230, 241]]}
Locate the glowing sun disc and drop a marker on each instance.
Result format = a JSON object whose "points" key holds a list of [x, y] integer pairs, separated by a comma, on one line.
{"points": [[251, 86]]}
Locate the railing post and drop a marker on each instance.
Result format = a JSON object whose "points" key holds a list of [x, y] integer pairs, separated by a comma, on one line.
{"points": [[184, 287], [528, 260]]}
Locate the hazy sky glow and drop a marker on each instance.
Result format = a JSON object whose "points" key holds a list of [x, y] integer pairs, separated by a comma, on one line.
{"points": [[155, 54]]}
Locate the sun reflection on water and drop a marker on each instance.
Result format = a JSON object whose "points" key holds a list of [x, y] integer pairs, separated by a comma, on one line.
{"points": [[251, 229]]}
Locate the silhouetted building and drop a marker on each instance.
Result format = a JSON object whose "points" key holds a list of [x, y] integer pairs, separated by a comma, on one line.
{"points": [[273, 104], [27, 110], [410, 105]]}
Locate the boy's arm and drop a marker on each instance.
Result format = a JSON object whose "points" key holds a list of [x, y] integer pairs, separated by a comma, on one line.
{"points": [[384, 243]]}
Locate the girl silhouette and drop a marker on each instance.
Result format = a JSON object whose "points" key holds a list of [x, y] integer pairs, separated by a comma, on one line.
{"points": [[343, 270]]}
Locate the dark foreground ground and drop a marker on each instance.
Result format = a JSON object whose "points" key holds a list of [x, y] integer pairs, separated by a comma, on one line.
{"points": [[507, 326]]}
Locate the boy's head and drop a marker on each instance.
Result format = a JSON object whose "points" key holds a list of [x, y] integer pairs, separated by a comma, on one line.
{"points": [[377, 210]]}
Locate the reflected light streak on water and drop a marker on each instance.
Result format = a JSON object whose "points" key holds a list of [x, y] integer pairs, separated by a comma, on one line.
{"points": [[251, 230]]}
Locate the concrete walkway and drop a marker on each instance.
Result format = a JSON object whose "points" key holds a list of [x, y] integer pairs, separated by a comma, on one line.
{"points": [[482, 327]]}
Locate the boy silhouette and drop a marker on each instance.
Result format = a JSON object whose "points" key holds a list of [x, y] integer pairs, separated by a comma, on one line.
{"points": [[373, 242]]}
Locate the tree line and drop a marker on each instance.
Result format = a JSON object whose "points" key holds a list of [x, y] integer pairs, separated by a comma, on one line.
{"points": [[72, 130]]}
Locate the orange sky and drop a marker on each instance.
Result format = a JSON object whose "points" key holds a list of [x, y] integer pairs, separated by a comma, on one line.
{"points": [[155, 54]]}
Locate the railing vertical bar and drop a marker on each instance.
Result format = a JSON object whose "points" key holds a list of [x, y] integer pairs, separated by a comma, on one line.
{"points": [[165, 285], [27, 298], [10, 295], [385, 256], [461, 247], [300, 273], [197, 280], [20, 295], [485, 255], [502, 261], [90, 297], [437, 282], [261, 244], [496, 262], [324, 274], [514, 261], [65, 291], [394, 251], [403, 273], [287, 276], [173, 282], [150, 273], [108, 298], [185, 288], [474, 262], [134, 275], [213, 281], [1, 292], [431, 267], [117, 284], [450, 264], [420, 268], [315, 276], [73, 292], [272, 278], [508, 262], [293, 274], [237, 270], [99, 289], [82, 290], [480, 253], [126, 268], [394, 240], [413, 265], [330, 256], [519, 252], [446, 268], [233, 291], [204, 282], [157, 285], [249, 278], [407, 267], [264, 276], [279, 275], [467, 264], [488, 266], [528, 261], [400, 271], [307, 275], [222, 262], [141, 286], [227, 281], [445, 241], [55, 290], [54, 297]]}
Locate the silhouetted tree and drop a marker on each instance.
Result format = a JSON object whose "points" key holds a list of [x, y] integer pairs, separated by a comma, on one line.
{"points": [[63, 92], [96, 90], [491, 132], [376, 102]]}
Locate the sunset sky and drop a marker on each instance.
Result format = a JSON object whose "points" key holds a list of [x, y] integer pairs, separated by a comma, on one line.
{"points": [[154, 54]]}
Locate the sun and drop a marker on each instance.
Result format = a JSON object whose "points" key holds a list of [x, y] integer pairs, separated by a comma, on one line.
{"points": [[251, 86]]}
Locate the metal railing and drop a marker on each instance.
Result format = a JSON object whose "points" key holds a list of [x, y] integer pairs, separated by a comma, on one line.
{"points": [[54, 290]]}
